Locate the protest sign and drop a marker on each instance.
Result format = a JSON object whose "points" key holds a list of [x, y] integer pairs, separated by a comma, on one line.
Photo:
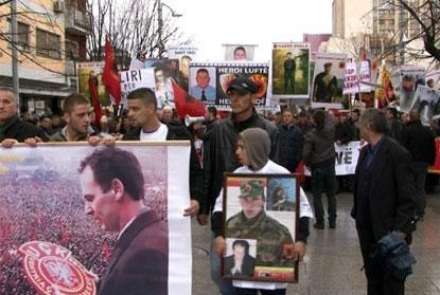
{"points": [[135, 79], [351, 79], [45, 193], [410, 78], [427, 104], [239, 52]]}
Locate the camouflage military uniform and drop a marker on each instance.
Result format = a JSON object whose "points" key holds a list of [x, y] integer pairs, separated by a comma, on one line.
{"points": [[269, 233]]}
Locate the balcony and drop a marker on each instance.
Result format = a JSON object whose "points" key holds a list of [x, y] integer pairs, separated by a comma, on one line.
{"points": [[77, 22]]}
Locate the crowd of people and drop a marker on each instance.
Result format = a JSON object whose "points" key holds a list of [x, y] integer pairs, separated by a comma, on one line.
{"points": [[296, 137]]}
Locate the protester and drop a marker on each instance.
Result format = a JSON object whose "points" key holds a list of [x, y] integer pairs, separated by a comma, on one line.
{"points": [[420, 142], [396, 129], [291, 142], [252, 152], [12, 129], [319, 154], [383, 199], [219, 151]]}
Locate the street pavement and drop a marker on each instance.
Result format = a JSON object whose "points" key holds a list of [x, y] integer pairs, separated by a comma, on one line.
{"points": [[333, 262]]}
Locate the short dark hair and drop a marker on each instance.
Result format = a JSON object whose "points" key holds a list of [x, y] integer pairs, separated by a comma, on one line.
{"points": [[375, 120], [72, 100], [240, 48], [393, 112], [202, 70], [357, 111], [109, 163], [147, 96], [242, 243], [212, 110]]}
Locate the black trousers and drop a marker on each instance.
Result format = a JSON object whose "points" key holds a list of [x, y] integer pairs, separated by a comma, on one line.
{"points": [[379, 280], [324, 181]]}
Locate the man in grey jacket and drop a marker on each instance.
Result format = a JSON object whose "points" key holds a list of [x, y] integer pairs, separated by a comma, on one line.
{"points": [[319, 155]]}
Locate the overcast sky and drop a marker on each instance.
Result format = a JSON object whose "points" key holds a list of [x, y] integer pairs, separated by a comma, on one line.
{"points": [[211, 23]]}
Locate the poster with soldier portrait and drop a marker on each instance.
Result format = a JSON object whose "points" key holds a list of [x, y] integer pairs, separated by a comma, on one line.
{"points": [[261, 214], [328, 81], [71, 214], [209, 82], [290, 70]]}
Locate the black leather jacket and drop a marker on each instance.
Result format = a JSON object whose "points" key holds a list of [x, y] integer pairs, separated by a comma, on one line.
{"points": [[220, 152]]}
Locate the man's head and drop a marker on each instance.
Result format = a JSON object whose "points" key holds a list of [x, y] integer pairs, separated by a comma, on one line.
{"points": [[414, 116], [391, 114], [111, 180], [251, 197], [242, 92], [408, 83], [289, 55], [328, 67], [430, 83], [372, 124], [46, 122], [240, 53], [159, 75], [76, 113], [142, 106], [8, 104], [212, 113], [240, 249], [303, 118], [355, 115], [167, 114], [288, 118], [319, 119], [202, 78]]}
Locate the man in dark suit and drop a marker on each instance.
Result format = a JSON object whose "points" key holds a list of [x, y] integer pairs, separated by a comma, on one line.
{"points": [[240, 264], [383, 199], [113, 191]]}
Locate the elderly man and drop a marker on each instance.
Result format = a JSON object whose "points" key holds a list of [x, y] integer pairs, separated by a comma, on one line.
{"points": [[12, 129]]}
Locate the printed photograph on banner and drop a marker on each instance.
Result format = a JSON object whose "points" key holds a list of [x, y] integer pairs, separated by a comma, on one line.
{"points": [[239, 260], [203, 84], [239, 52], [290, 70], [428, 104], [433, 80], [365, 71], [165, 70], [264, 209], [66, 221], [410, 78], [90, 80], [328, 80], [185, 55]]}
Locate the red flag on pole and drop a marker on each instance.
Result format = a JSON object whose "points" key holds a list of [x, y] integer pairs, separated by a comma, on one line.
{"points": [[110, 75], [93, 89], [187, 105]]}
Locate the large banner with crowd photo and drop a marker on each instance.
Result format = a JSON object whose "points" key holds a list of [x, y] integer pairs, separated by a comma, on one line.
{"points": [[209, 82], [290, 70], [328, 81], [61, 207], [346, 158]]}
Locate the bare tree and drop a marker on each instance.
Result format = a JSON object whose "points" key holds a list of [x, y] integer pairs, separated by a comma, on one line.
{"points": [[132, 26]]}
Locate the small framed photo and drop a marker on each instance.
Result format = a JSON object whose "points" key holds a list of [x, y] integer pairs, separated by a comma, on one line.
{"points": [[261, 218]]}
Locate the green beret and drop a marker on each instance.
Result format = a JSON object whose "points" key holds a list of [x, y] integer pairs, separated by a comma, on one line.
{"points": [[251, 188]]}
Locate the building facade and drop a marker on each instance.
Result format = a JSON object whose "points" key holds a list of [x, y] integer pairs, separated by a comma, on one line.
{"points": [[51, 40]]}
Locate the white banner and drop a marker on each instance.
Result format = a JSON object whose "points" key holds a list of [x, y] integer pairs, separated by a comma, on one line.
{"points": [[365, 77], [116, 210], [132, 80], [351, 79], [346, 159]]}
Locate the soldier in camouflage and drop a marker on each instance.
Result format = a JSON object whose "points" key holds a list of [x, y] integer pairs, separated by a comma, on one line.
{"points": [[273, 238]]}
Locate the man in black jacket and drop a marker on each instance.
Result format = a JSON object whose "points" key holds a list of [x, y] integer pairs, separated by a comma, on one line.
{"points": [[12, 129], [383, 199], [420, 142], [396, 129], [142, 113], [220, 150], [291, 142]]}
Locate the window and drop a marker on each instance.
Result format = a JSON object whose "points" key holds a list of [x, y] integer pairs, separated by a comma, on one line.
{"points": [[23, 33], [48, 44]]}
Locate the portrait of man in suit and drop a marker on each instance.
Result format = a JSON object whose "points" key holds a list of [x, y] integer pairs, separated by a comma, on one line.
{"points": [[240, 263], [113, 192]]}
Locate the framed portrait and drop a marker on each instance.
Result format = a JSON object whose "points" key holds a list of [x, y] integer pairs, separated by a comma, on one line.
{"points": [[260, 224]]}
